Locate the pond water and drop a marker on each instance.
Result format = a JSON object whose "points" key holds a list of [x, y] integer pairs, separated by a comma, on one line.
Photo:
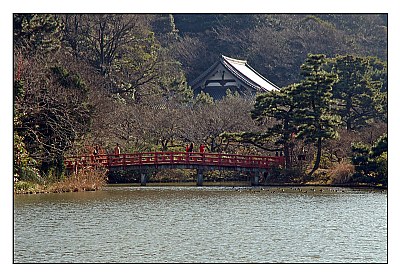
{"points": [[202, 225]]}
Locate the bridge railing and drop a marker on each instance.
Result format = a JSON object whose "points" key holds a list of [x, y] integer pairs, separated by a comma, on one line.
{"points": [[171, 158]]}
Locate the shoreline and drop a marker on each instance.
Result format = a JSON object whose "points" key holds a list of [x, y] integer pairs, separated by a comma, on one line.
{"points": [[234, 184], [241, 184]]}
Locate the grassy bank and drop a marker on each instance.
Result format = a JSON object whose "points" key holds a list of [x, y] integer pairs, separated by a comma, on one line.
{"points": [[92, 180], [85, 180]]}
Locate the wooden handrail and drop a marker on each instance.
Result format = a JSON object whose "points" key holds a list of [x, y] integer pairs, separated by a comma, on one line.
{"points": [[171, 158]]}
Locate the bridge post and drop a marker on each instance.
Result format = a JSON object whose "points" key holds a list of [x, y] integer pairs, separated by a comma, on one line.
{"points": [[200, 177], [255, 178], [143, 178]]}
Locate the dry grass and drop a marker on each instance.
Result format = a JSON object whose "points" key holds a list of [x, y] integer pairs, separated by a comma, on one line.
{"points": [[85, 180], [27, 187], [341, 173]]}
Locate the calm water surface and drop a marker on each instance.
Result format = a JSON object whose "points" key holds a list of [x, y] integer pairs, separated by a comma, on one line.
{"points": [[201, 224]]}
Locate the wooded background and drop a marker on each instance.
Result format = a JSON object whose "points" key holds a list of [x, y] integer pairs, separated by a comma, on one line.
{"points": [[99, 79]]}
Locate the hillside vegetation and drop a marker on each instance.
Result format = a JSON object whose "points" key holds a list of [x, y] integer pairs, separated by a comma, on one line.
{"points": [[275, 44], [82, 80]]}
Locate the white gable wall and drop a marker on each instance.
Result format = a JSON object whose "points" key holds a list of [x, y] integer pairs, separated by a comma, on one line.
{"points": [[221, 73]]}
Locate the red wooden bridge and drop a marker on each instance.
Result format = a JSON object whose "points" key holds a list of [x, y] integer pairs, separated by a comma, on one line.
{"points": [[194, 160]]}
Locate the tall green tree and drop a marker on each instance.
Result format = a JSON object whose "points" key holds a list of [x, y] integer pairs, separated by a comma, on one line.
{"points": [[36, 35], [379, 74], [314, 114], [51, 108], [360, 98], [278, 105], [126, 51], [101, 38], [108, 41]]}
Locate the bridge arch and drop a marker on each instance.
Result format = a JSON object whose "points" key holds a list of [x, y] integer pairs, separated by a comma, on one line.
{"points": [[144, 161]]}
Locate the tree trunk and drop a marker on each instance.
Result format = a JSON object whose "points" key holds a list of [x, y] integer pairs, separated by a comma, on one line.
{"points": [[286, 151], [164, 145], [349, 121], [213, 145], [348, 124], [101, 46], [318, 158]]}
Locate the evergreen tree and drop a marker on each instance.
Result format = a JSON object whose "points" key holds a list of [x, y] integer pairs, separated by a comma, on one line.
{"points": [[358, 92], [378, 72], [50, 101], [371, 161], [23, 162], [314, 115], [165, 29], [37, 33], [120, 46], [203, 98], [280, 106]]}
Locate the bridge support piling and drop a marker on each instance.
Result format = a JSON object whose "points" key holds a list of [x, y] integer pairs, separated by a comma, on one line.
{"points": [[255, 178], [200, 177], [143, 179], [145, 162]]}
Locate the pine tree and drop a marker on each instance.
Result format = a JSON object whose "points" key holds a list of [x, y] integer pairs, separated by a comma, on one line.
{"points": [[371, 161], [278, 104], [314, 115], [358, 91]]}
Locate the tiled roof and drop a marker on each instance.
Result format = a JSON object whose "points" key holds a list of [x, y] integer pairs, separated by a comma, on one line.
{"points": [[243, 71]]}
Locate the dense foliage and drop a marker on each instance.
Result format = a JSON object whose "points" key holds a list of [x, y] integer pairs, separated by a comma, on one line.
{"points": [[100, 79], [358, 91], [371, 161], [276, 44], [313, 109]]}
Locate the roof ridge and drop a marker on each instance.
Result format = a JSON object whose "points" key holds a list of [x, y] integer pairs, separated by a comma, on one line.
{"points": [[261, 76], [239, 75], [234, 59], [244, 62]]}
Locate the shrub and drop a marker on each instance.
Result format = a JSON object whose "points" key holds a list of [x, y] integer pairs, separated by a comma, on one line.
{"points": [[371, 161], [24, 187], [341, 173], [85, 180], [280, 175]]}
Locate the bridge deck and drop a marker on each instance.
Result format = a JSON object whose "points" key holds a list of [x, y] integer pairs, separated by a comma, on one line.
{"points": [[174, 159]]}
